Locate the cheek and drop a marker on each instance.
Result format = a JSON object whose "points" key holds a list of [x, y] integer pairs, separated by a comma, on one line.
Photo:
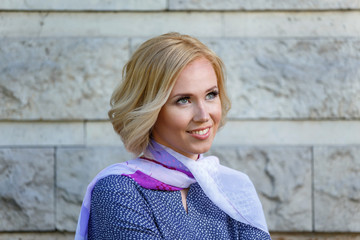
{"points": [[217, 114], [172, 119]]}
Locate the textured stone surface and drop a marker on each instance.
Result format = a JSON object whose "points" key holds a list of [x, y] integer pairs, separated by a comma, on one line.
{"points": [[258, 24], [292, 79], [41, 133], [286, 79], [59, 78], [282, 178], [37, 236], [136, 5], [261, 5], [315, 236], [337, 188], [99, 5], [291, 24], [75, 168], [27, 189], [287, 133], [108, 24], [101, 133]]}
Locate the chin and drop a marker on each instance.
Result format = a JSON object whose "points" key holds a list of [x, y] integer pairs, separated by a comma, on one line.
{"points": [[201, 150]]}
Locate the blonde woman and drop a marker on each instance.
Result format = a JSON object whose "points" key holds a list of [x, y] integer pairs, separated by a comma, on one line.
{"points": [[167, 110]]}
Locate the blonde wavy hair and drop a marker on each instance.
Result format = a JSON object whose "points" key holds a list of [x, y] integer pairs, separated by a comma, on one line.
{"points": [[148, 79]]}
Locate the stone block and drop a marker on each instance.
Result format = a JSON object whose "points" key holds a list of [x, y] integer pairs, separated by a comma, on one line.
{"points": [[37, 236], [108, 24], [83, 5], [261, 5], [262, 24], [99, 133], [41, 133], [315, 236], [337, 188], [282, 178], [292, 78], [291, 24], [75, 168], [59, 78], [27, 189], [259, 24], [287, 133]]}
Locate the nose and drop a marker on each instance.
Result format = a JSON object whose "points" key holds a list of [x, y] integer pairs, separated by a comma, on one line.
{"points": [[201, 113]]}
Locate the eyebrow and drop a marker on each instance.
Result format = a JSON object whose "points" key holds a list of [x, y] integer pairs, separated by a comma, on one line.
{"points": [[189, 94]]}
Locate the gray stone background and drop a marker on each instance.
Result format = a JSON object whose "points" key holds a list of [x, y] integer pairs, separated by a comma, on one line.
{"points": [[293, 72]]}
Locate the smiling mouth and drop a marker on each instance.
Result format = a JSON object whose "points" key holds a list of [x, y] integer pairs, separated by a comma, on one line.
{"points": [[200, 132]]}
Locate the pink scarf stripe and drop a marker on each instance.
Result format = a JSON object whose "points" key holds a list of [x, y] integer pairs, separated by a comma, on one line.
{"points": [[150, 183]]}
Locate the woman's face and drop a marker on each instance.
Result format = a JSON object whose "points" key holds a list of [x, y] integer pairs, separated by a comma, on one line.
{"points": [[189, 120]]}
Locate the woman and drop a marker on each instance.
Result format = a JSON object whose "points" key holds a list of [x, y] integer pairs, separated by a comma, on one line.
{"points": [[167, 110]]}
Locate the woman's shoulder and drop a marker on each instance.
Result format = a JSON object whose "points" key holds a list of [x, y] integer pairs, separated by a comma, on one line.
{"points": [[116, 183], [119, 208], [118, 190]]}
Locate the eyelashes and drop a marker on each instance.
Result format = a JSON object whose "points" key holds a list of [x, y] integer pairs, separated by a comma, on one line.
{"points": [[186, 99], [183, 100], [212, 95]]}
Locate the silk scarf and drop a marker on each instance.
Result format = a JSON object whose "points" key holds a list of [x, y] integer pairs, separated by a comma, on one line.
{"points": [[161, 168]]}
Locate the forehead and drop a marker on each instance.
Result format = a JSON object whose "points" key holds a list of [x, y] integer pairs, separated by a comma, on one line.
{"points": [[196, 76]]}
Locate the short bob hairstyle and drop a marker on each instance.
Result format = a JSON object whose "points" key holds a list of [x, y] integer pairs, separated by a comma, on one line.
{"points": [[148, 79]]}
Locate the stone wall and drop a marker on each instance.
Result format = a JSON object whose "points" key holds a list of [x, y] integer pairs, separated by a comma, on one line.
{"points": [[293, 72]]}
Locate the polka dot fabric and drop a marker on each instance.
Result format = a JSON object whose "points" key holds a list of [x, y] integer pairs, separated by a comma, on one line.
{"points": [[122, 209]]}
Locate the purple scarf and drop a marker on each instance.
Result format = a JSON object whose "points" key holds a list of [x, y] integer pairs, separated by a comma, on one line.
{"points": [[164, 169]]}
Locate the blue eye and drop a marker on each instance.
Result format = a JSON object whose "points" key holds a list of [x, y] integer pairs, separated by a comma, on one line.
{"points": [[183, 100], [212, 95]]}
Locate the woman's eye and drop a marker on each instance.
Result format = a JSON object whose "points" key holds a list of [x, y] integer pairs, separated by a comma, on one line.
{"points": [[211, 95], [184, 100]]}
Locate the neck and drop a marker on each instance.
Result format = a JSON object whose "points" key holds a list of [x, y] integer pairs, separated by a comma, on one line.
{"points": [[168, 157]]}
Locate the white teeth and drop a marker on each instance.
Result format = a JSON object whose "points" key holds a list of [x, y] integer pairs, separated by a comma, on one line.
{"points": [[201, 132]]}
